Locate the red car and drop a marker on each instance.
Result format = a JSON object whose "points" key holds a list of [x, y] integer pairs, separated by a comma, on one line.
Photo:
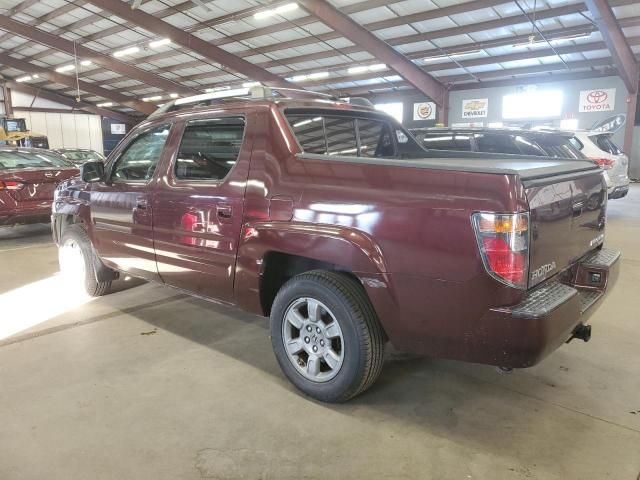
{"points": [[28, 179], [332, 220]]}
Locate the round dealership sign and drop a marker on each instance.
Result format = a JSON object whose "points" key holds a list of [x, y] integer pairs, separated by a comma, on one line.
{"points": [[425, 110]]}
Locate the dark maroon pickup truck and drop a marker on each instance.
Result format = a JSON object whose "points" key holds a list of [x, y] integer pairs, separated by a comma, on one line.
{"points": [[330, 218]]}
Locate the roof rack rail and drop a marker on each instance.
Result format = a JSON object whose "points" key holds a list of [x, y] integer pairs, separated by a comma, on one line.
{"points": [[255, 92]]}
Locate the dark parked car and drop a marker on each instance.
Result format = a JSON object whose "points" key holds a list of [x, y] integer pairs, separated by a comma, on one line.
{"points": [[556, 144], [327, 217], [28, 179], [78, 156]]}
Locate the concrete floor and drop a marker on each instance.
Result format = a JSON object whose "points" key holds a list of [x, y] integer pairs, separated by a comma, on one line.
{"points": [[149, 384]]}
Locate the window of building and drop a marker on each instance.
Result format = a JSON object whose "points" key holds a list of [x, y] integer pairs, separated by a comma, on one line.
{"points": [[532, 104]]}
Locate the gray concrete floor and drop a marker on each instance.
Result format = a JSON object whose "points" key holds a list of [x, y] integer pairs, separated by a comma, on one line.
{"points": [[149, 384]]}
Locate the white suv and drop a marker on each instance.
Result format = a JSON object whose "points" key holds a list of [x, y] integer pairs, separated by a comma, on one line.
{"points": [[599, 147]]}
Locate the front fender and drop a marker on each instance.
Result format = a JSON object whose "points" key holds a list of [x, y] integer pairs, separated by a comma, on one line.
{"points": [[345, 247]]}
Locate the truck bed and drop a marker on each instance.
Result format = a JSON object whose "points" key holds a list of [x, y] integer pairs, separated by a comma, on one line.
{"points": [[527, 168]]}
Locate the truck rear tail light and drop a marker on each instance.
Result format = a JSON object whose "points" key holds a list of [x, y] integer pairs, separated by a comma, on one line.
{"points": [[11, 185], [605, 163], [503, 241]]}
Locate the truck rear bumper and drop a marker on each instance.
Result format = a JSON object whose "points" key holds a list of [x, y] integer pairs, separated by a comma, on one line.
{"points": [[522, 335]]}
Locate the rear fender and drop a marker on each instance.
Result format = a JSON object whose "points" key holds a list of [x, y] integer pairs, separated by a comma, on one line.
{"points": [[344, 247]]}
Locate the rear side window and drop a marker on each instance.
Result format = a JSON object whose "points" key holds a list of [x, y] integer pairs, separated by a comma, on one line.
{"points": [[209, 148], [604, 143], [528, 147], [437, 141], [496, 143], [139, 160], [558, 146], [343, 135]]}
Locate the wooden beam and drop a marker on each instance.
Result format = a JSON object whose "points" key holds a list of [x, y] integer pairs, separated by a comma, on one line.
{"points": [[190, 41], [71, 102], [106, 61], [616, 42], [350, 29], [71, 82]]}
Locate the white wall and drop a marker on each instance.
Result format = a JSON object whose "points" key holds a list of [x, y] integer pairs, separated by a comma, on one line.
{"points": [[65, 130]]}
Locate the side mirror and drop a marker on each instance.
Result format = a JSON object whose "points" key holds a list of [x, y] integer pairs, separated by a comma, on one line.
{"points": [[92, 171]]}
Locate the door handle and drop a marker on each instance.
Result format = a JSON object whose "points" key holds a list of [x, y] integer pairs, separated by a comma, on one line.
{"points": [[142, 203], [224, 212]]}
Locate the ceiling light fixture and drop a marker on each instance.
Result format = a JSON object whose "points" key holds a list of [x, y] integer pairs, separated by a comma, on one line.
{"points": [[105, 104], [366, 68], [287, 7], [532, 41], [450, 55], [65, 68], [26, 78], [152, 99], [250, 84], [86, 63], [126, 51], [173, 95], [217, 89], [159, 43]]}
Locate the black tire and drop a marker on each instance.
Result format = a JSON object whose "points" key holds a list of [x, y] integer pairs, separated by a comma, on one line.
{"points": [[363, 336], [92, 286]]}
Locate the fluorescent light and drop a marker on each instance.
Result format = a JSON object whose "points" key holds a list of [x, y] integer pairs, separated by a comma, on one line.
{"points": [[366, 68], [85, 63], [35, 75], [317, 75], [357, 70], [451, 55], [250, 84], [159, 43], [217, 89], [105, 104], [288, 7], [65, 68], [26, 78], [173, 95], [152, 99], [126, 51]]}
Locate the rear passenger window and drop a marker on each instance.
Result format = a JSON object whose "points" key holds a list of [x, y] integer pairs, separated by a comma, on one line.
{"points": [[439, 141], [343, 136], [375, 139], [310, 133], [209, 148], [496, 143], [527, 147]]}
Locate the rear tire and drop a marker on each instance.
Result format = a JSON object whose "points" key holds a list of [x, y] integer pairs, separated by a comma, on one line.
{"points": [[78, 261], [326, 336]]}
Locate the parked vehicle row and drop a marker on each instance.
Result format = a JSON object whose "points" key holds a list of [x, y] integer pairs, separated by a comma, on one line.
{"points": [[596, 146], [28, 178], [330, 219]]}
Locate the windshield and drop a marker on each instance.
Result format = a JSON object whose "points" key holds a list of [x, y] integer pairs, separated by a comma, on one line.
{"points": [[81, 155], [29, 159]]}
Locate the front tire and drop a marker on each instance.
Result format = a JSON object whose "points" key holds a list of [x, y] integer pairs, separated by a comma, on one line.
{"points": [[326, 336], [78, 260]]}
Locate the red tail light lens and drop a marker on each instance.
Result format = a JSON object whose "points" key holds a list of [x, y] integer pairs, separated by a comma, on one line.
{"points": [[11, 185], [503, 240], [605, 163]]}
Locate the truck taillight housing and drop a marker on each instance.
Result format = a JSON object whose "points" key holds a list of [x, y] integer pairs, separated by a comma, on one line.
{"points": [[503, 241], [11, 185], [605, 163]]}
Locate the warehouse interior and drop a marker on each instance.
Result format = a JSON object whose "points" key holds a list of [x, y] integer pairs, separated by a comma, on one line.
{"points": [[150, 381]]}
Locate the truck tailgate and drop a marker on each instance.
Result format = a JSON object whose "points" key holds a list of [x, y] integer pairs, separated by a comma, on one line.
{"points": [[567, 220]]}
